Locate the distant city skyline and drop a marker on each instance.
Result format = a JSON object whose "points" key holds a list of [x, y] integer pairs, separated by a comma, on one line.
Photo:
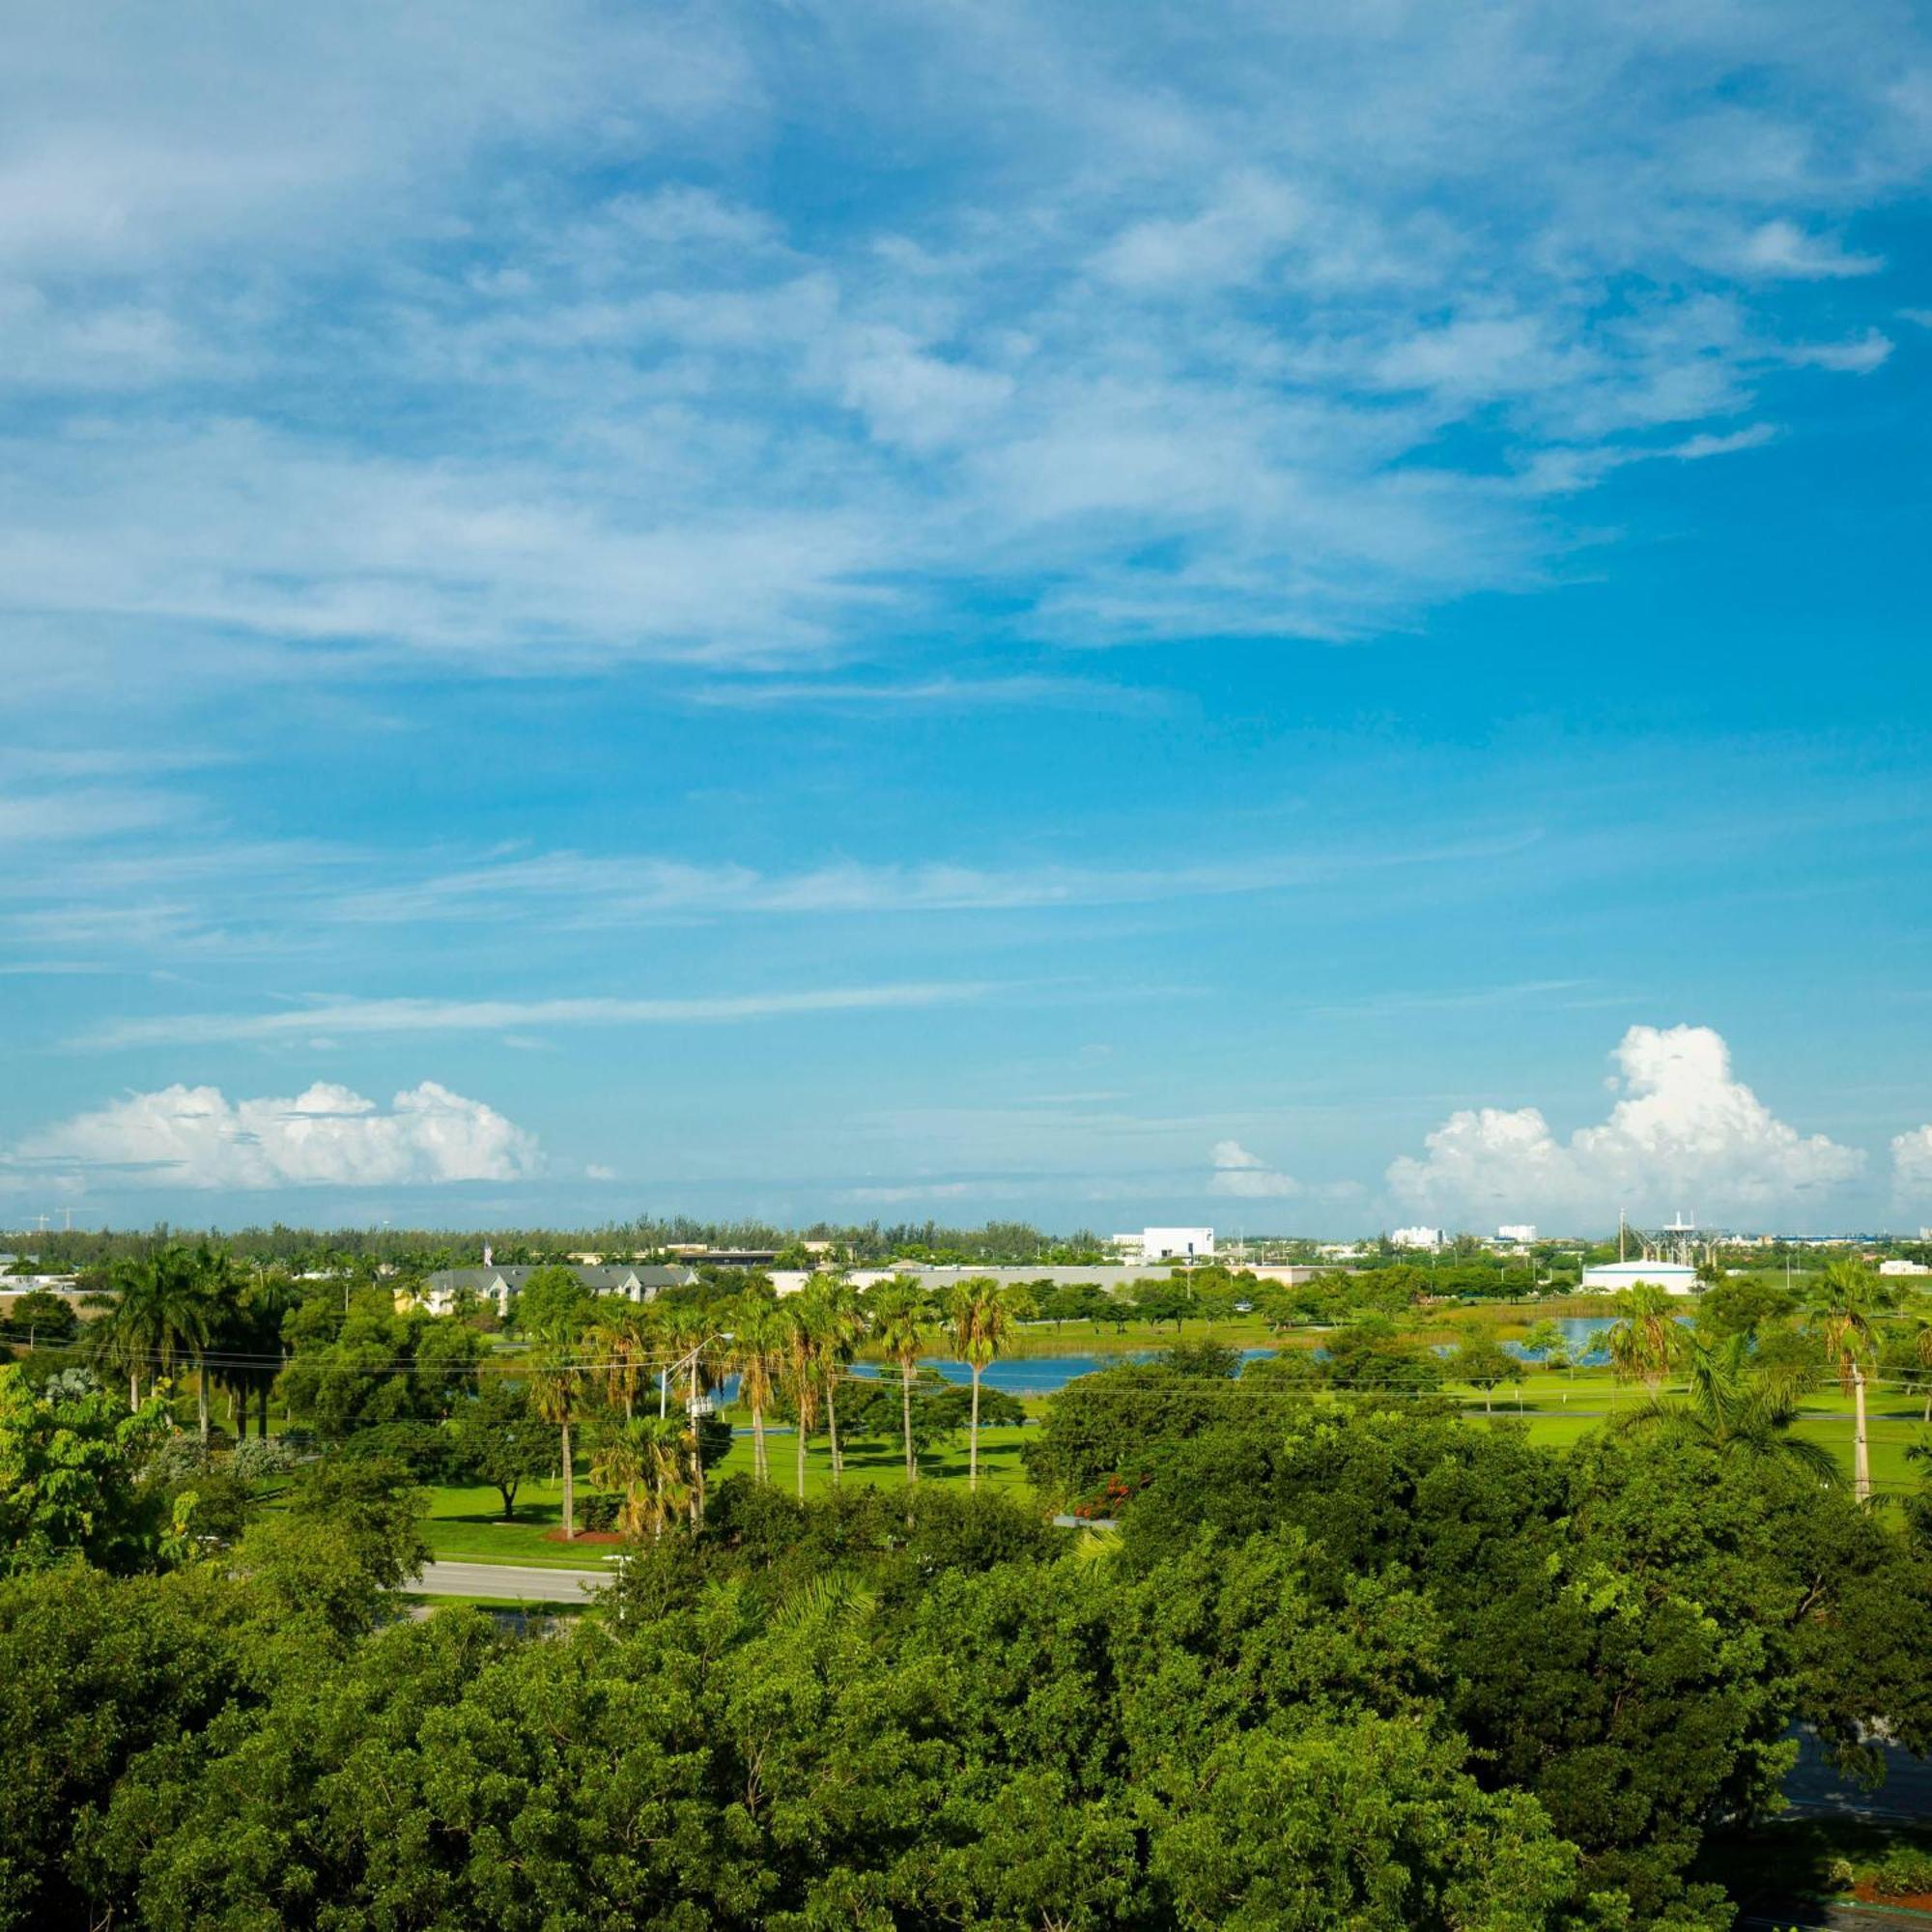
{"points": [[829, 614]]}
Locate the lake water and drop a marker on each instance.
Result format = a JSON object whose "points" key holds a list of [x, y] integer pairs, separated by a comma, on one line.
{"points": [[1048, 1374]]}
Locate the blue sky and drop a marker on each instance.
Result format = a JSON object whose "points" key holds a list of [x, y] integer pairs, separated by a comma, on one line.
{"points": [[965, 611]]}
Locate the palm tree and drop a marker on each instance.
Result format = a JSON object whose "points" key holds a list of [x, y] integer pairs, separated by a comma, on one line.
{"points": [[832, 1315], [619, 1343], [1918, 1348], [164, 1312], [642, 1458], [799, 1357], [1648, 1340], [127, 1338], [758, 1353], [213, 1302], [1736, 1411], [1846, 1302], [980, 1313], [901, 1321], [668, 1487], [556, 1390]]}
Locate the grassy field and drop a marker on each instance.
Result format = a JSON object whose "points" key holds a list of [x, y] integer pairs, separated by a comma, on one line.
{"points": [[1555, 1409], [466, 1526]]}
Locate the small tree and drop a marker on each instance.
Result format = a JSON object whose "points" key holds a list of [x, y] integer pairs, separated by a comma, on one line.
{"points": [[1482, 1361], [499, 1440]]}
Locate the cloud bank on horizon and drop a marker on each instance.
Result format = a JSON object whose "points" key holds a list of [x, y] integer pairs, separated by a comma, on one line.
{"points": [[326, 1136], [1685, 1132]]}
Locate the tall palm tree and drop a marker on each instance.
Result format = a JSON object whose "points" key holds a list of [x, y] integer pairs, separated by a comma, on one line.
{"points": [[557, 1394], [619, 1342], [758, 1353], [1735, 1410], [900, 1321], [1648, 1340], [212, 1304], [800, 1377], [1846, 1303], [980, 1313], [836, 1322]]}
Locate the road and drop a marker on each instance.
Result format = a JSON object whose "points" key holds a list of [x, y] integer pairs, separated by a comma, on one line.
{"points": [[508, 1580]]}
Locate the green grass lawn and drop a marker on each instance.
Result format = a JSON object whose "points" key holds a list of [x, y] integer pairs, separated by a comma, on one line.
{"points": [[882, 1464], [465, 1524], [1555, 1408]]}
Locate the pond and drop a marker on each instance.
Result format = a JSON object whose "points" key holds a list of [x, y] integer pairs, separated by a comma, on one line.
{"points": [[1022, 1376], [1582, 1336], [1047, 1375]]}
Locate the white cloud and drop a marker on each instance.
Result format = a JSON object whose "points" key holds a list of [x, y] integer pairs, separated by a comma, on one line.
{"points": [[615, 889], [363, 1017], [596, 1171], [1858, 358], [1784, 248], [1685, 1134], [1698, 448], [1247, 1177], [1912, 1164], [1247, 223], [195, 1137], [1252, 273]]}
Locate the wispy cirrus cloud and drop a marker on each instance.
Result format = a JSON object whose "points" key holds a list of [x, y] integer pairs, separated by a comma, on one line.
{"points": [[614, 889], [335, 1018], [1252, 277]]}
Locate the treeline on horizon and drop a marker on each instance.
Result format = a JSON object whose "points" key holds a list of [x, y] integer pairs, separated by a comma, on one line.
{"points": [[1008, 1243], [997, 1241]]}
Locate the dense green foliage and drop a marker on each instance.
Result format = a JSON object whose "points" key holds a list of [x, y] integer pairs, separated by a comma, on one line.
{"points": [[1349, 1659]]}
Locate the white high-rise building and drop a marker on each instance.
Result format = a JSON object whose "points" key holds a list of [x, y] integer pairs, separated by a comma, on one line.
{"points": [[1523, 1232], [1417, 1237]]}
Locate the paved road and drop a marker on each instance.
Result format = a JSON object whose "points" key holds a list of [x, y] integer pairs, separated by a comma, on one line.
{"points": [[508, 1580], [1816, 1790]]}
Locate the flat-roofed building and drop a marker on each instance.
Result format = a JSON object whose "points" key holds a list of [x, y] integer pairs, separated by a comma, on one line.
{"points": [[1614, 1277]]}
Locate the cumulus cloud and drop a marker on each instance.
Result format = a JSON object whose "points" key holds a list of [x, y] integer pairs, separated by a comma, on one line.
{"points": [[1685, 1133], [1912, 1164], [196, 1137], [1244, 1175]]}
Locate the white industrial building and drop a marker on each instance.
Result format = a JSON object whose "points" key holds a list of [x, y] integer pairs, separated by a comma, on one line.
{"points": [[1613, 1277], [1166, 1244]]}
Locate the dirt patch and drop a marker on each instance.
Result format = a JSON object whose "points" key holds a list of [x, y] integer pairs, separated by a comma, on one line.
{"points": [[582, 1536], [1911, 1901]]}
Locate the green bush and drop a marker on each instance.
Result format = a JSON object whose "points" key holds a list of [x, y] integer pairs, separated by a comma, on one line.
{"points": [[597, 1510], [1904, 1870]]}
